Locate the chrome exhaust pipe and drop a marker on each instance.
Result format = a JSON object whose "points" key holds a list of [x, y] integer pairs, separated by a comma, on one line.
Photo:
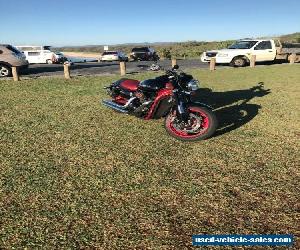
{"points": [[114, 106], [118, 107], [129, 101]]}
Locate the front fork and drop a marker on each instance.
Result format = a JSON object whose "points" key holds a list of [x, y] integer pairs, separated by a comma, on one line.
{"points": [[182, 112], [182, 103]]}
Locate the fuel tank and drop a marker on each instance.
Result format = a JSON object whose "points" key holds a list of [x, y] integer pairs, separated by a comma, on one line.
{"points": [[153, 84]]}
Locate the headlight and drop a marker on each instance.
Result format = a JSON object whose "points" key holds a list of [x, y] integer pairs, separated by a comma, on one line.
{"points": [[193, 85], [222, 55]]}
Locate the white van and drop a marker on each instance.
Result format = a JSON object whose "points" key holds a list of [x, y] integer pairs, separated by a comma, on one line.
{"points": [[40, 54]]}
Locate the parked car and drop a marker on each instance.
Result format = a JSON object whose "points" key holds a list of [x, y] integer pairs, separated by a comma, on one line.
{"points": [[11, 57], [40, 54], [60, 57], [239, 53], [143, 54], [110, 56]]}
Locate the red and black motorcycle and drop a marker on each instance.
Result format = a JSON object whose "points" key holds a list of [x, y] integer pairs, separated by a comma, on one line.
{"points": [[166, 96]]}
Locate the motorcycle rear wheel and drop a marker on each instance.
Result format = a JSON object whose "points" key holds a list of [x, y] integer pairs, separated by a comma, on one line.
{"points": [[202, 125]]}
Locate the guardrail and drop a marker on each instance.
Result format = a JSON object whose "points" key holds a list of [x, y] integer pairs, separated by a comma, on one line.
{"points": [[292, 58]]}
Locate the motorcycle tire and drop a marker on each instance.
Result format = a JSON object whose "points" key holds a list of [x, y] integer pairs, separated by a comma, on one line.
{"points": [[207, 126]]}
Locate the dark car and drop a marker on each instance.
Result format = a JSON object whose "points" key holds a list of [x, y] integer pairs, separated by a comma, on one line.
{"points": [[143, 54]]}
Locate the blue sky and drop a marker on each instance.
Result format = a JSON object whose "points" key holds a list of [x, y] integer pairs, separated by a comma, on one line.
{"points": [[74, 22]]}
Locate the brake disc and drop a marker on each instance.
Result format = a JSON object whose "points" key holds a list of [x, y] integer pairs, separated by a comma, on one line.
{"points": [[188, 127]]}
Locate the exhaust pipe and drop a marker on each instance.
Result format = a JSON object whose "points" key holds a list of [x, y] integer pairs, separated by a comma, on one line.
{"points": [[118, 107], [114, 106]]}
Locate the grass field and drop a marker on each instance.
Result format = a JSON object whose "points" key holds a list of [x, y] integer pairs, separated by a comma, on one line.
{"points": [[74, 174]]}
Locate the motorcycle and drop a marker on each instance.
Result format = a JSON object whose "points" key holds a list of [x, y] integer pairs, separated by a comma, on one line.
{"points": [[155, 67], [166, 96]]}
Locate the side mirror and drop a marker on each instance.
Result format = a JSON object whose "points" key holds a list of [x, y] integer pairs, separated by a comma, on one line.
{"points": [[175, 66]]}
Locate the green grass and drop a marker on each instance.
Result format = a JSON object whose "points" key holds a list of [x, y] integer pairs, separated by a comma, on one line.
{"points": [[74, 174]]}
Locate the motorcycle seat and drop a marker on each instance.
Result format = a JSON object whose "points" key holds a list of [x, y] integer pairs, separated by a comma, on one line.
{"points": [[130, 84]]}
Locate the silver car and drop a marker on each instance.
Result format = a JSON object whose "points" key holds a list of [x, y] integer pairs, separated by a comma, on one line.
{"points": [[11, 57], [110, 56]]}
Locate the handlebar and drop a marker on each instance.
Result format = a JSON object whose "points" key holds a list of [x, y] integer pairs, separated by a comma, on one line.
{"points": [[173, 70]]}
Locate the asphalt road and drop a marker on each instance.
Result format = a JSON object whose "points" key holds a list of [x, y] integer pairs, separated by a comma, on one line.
{"points": [[95, 68]]}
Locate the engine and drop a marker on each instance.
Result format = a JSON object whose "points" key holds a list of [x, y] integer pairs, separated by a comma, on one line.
{"points": [[128, 93], [134, 96]]}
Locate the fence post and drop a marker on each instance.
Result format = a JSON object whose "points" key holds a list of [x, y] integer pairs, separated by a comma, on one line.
{"points": [[67, 70], [279, 49], [292, 58], [174, 62], [252, 61], [212, 64], [123, 68], [15, 74]]}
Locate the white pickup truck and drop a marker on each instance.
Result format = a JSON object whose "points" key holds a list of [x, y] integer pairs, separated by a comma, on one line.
{"points": [[239, 53]]}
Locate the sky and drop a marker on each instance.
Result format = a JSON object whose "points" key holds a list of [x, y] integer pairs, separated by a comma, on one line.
{"points": [[92, 22]]}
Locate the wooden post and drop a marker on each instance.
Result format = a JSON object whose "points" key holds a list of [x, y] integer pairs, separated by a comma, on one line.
{"points": [[123, 68], [212, 64], [174, 62], [67, 70], [252, 61], [15, 74], [292, 58], [279, 49]]}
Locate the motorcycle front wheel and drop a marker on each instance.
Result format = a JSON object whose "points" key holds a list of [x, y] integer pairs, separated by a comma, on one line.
{"points": [[202, 124]]}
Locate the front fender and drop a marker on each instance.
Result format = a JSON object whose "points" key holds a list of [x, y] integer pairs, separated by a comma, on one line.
{"points": [[6, 64], [201, 104], [182, 112], [246, 57], [227, 59]]}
